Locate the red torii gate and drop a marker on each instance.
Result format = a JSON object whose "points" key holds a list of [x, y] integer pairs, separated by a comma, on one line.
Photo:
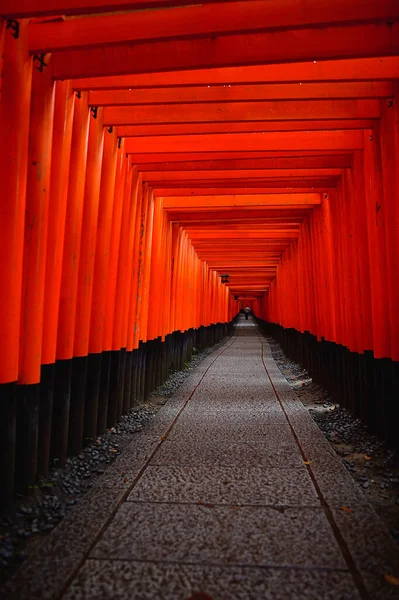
{"points": [[147, 152]]}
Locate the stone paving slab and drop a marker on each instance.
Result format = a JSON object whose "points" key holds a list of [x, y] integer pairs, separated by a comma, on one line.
{"points": [[372, 548], [183, 451], [190, 533], [226, 485], [119, 580], [129, 465], [251, 408], [242, 387], [337, 486], [217, 412], [255, 430]]}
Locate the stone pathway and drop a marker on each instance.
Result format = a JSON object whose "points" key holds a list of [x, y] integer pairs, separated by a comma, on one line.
{"points": [[231, 492]]}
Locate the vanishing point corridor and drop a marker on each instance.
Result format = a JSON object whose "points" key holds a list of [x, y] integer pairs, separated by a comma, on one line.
{"points": [[199, 299], [231, 492]]}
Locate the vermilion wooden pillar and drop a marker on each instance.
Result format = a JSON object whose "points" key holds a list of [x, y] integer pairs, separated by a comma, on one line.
{"points": [[328, 240], [143, 275], [148, 232], [376, 216], [166, 305], [69, 280], [362, 364], [175, 252], [34, 268], [129, 266], [350, 267], [353, 309], [362, 249], [155, 297], [97, 381], [181, 282], [387, 371], [122, 284], [14, 127], [389, 149], [336, 225], [140, 265], [61, 152], [301, 294], [183, 291], [114, 247], [315, 258], [112, 283], [85, 281], [132, 342], [309, 286]]}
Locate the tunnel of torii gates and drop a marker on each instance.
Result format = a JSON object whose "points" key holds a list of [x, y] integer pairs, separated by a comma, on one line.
{"points": [[145, 153]]}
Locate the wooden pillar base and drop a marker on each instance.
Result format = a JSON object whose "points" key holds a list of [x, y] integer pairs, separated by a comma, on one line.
{"points": [[8, 418], [77, 405], [104, 392], [127, 383], [61, 403], [47, 375], [93, 377], [27, 436]]}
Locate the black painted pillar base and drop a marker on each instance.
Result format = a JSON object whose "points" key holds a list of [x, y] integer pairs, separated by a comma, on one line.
{"points": [[127, 383], [93, 376], [393, 420], [77, 405], [133, 378], [61, 403], [121, 383], [112, 416], [27, 436], [369, 413], [8, 418], [149, 366], [104, 392], [141, 372], [45, 417], [386, 397]]}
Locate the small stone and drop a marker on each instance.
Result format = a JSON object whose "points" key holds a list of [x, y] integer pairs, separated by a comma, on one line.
{"points": [[6, 554], [26, 510]]}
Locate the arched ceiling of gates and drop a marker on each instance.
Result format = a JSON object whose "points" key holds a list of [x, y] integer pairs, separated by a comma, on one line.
{"points": [[239, 115]]}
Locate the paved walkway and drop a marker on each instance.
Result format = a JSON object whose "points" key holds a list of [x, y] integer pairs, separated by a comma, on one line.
{"points": [[231, 492]]}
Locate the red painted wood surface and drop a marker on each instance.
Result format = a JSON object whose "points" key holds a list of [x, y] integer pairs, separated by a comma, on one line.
{"points": [[89, 235], [14, 139], [258, 139], [60, 159], [36, 226], [73, 231]]}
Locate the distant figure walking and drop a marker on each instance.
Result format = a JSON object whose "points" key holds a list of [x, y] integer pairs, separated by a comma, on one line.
{"points": [[247, 310]]}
